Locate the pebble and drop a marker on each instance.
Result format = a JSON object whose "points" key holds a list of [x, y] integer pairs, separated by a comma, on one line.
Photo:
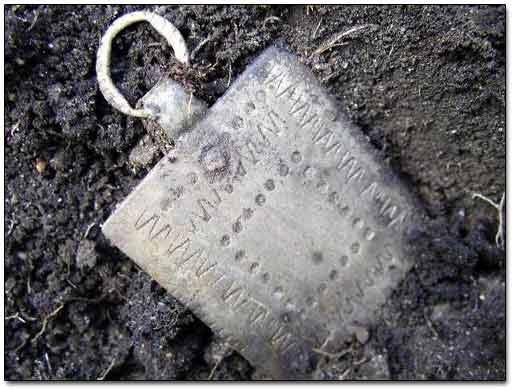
{"points": [[41, 165]]}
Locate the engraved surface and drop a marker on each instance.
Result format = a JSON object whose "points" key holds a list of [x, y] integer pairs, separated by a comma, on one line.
{"points": [[274, 220]]}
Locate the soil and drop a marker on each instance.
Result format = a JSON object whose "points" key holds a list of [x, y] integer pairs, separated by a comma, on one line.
{"points": [[425, 83]]}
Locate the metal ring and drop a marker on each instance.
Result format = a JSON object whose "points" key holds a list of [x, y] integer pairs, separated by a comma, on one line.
{"points": [[107, 87]]}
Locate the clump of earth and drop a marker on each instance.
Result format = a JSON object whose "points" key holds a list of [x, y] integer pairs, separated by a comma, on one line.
{"points": [[426, 84]]}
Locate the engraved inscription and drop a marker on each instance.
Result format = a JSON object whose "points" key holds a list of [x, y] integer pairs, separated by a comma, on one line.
{"points": [[284, 235], [331, 144]]}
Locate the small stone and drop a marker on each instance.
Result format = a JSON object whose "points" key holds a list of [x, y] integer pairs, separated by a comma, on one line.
{"points": [[41, 165], [86, 254], [362, 335]]}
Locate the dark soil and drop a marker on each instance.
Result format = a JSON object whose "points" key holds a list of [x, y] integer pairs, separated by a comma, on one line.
{"points": [[426, 84]]}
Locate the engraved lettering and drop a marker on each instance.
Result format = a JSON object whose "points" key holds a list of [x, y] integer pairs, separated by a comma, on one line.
{"points": [[205, 267], [273, 78], [327, 141], [253, 150], [139, 223], [266, 141], [204, 203], [298, 108], [344, 159], [186, 259], [308, 119], [295, 103], [241, 302], [221, 276], [172, 247], [259, 313], [290, 88], [370, 190], [231, 291], [277, 122], [400, 219], [388, 210], [279, 336], [241, 171], [167, 228], [356, 173]]}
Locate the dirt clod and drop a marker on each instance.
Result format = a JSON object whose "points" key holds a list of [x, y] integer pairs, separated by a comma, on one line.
{"points": [[86, 254]]}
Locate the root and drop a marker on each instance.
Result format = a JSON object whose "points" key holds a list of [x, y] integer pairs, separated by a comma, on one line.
{"points": [[211, 375], [88, 230], [314, 35], [106, 372], [229, 74], [200, 45], [499, 237], [45, 322], [16, 316], [335, 41]]}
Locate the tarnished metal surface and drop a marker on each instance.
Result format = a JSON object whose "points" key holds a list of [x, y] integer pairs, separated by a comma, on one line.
{"points": [[274, 220], [105, 83], [173, 108]]}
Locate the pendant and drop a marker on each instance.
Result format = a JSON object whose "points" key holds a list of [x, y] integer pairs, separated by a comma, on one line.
{"points": [[273, 219]]}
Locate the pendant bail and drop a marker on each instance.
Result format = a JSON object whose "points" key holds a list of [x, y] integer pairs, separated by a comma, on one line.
{"points": [[103, 60]]}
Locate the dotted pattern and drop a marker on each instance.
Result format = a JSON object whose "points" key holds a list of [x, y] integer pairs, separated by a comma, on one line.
{"points": [[256, 269]]}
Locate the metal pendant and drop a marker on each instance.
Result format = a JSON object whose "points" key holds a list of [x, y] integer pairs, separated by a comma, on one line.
{"points": [[273, 219]]}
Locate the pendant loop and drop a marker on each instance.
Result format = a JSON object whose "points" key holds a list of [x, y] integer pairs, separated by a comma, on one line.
{"points": [[107, 87]]}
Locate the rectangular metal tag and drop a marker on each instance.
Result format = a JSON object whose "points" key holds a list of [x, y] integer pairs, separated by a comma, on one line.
{"points": [[274, 220]]}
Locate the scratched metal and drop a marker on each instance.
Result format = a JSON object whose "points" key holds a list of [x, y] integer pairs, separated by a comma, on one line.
{"points": [[173, 108], [274, 220]]}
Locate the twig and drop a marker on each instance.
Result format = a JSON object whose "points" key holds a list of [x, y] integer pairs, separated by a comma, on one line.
{"points": [[46, 320], [104, 375], [431, 327], [499, 237], [27, 317], [316, 29], [200, 45], [16, 316], [89, 227], [11, 227], [34, 22], [229, 74], [48, 363], [69, 281], [20, 346], [334, 41], [211, 375]]}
